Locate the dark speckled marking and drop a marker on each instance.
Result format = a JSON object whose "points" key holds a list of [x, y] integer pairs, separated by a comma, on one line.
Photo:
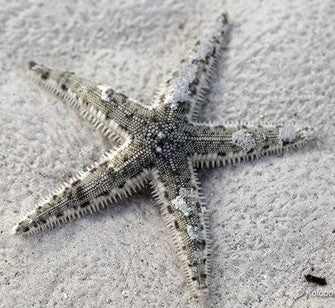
{"points": [[31, 64], [45, 75], [85, 204], [64, 87], [103, 194], [75, 183]]}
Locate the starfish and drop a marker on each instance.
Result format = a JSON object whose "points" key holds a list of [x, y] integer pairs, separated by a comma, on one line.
{"points": [[162, 145]]}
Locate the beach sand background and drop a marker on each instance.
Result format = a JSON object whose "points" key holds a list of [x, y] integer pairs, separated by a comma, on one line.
{"points": [[272, 220]]}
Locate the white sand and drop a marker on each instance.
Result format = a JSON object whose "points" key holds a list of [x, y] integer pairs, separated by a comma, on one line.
{"points": [[272, 220]]}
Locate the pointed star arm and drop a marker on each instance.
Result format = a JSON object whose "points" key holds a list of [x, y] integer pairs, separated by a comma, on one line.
{"points": [[176, 189], [116, 176], [110, 111], [185, 88], [221, 144]]}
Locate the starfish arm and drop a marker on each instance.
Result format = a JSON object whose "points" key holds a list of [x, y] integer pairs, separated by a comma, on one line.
{"points": [[186, 87], [177, 192], [230, 144], [109, 111], [116, 176]]}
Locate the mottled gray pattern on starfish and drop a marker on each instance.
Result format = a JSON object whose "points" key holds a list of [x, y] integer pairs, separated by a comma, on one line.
{"points": [[161, 145]]}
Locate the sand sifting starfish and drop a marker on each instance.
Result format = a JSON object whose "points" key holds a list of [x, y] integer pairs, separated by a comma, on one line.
{"points": [[161, 145]]}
